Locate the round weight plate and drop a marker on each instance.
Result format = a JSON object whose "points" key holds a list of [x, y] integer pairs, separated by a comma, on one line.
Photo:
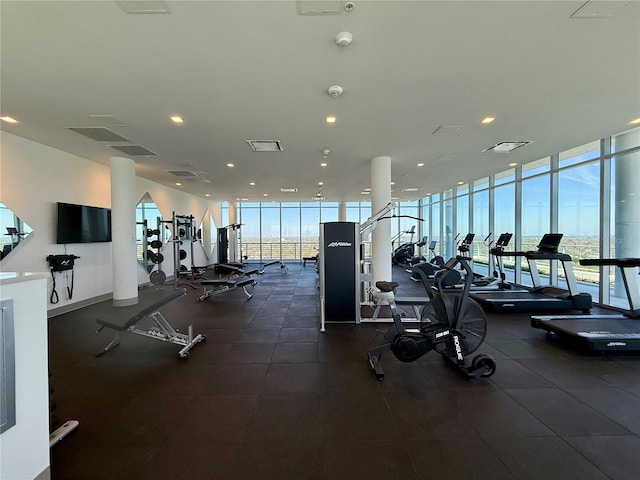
{"points": [[183, 268], [157, 258], [157, 277], [181, 232], [155, 244], [183, 254], [150, 254]]}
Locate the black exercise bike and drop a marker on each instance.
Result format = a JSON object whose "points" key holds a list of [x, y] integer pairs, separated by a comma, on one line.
{"points": [[451, 323]]}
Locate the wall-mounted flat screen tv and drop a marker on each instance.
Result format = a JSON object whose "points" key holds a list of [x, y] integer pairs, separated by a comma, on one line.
{"points": [[83, 224]]}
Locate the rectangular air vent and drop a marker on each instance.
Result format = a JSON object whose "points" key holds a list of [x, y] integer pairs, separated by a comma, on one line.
{"points": [[265, 145], [182, 173], [133, 150], [446, 130], [143, 6], [506, 147], [600, 9], [99, 134], [319, 7]]}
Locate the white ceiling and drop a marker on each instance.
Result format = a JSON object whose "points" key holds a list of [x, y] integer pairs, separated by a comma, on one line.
{"points": [[259, 70]]}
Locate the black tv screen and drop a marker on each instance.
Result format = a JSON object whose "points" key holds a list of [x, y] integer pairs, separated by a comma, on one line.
{"points": [[83, 224]]}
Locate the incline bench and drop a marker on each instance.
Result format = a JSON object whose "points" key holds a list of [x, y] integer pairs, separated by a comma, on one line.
{"points": [[160, 331]]}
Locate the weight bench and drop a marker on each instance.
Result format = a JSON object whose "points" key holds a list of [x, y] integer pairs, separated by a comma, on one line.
{"points": [[160, 331], [225, 285], [275, 262], [385, 288]]}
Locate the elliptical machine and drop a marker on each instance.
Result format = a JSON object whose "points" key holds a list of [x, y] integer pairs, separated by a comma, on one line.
{"points": [[451, 323]]}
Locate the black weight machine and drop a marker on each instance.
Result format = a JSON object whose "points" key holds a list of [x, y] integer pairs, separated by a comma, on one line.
{"points": [[450, 323], [602, 333]]}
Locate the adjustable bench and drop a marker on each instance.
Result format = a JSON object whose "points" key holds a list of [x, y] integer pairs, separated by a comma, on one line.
{"points": [[274, 262], [225, 285], [161, 330]]}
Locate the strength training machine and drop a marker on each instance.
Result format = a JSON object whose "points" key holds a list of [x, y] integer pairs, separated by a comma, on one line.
{"points": [[451, 324], [161, 330]]}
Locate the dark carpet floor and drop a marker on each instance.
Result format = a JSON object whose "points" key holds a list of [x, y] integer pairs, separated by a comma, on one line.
{"points": [[268, 396]]}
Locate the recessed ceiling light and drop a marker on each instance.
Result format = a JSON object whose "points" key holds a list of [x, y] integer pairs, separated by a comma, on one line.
{"points": [[265, 194], [368, 189], [410, 189], [8, 119], [323, 164], [632, 122], [513, 164], [178, 184], [487, 120], [176, 119], [207, 195], [460, 183], [320, 183], [420, 164], [252, 184], [365, 193], [331, 119], [230, 165], [393, 183]]}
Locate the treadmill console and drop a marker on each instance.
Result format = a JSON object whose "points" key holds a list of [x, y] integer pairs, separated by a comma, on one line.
{"points": [[550, 243]]}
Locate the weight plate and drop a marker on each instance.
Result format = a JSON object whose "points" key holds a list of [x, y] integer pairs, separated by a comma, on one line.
{"points": [[155, 244], [157, 277], [183, 254]]}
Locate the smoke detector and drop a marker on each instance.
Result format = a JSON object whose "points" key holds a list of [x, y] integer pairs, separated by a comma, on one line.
{"points": [[335, 91], [344, 39]]}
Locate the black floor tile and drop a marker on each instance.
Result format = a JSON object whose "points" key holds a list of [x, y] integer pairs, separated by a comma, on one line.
{"points": [[616, 456], [267, 396], [543, 458]]}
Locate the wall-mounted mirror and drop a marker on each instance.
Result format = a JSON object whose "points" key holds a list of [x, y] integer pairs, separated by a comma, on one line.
{"points": [[151, 234], [13, 230], [209, 235]]}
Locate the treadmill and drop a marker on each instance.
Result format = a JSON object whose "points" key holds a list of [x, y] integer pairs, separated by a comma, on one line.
{"points": [[538, 297], [602, 333]]}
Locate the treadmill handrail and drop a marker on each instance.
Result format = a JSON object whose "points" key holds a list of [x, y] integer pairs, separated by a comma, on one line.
{"points": [[619, 262]]}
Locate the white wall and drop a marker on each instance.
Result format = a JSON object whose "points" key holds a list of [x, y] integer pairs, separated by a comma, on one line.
{"points": [[33, 177], [24, 448]]}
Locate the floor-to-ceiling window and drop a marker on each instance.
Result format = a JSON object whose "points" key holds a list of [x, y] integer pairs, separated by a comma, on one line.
{"points": [[536, 213], [579, 217], [480, 216], [504, 212]]}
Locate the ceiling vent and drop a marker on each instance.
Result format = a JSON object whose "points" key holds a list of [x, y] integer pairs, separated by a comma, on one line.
{"points": [[189, 175], [143, 6], [319, 7], [410, 189], [99, 134], [446, 130], [133, 150], [289, 190], [265, 145], [106, 121], [600, 9], [506, 147]]}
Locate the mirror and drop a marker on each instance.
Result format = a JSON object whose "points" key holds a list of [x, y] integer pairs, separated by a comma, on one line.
{"points": [[208, 234], [151, 234], [14, 230]]}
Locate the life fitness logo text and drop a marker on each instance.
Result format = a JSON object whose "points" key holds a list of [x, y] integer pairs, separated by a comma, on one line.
{"points": [[339, 244]]}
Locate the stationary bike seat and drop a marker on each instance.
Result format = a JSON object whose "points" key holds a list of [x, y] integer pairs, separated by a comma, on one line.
{"points": [[386, 286]]}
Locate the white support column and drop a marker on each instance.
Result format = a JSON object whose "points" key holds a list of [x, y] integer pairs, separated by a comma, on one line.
{"points": [[123, 232], [233, 235], [342, 211], [381, 235]]}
